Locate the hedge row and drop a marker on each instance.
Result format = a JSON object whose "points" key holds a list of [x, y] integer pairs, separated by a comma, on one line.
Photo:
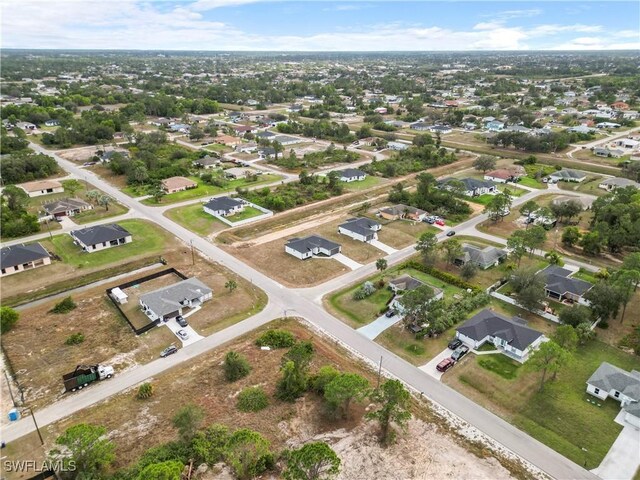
{"points": [[444, 276]]}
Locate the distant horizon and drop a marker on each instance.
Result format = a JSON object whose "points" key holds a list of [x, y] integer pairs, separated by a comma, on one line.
{"points": [[321, 25]]}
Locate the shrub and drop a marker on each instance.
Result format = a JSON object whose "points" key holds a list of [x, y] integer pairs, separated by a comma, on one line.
{"points": [[74, 339], [321, 379], [276, 339], [8, 318], [236, 366], [64, 306], [145, 391], [252, 399]]}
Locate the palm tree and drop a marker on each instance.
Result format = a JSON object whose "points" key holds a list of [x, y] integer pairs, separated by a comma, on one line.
{"points": [[104, 201], [231, 285]]}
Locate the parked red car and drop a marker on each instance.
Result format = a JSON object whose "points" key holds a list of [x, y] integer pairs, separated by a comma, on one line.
{"points": [[440, 222], [445, 364]]}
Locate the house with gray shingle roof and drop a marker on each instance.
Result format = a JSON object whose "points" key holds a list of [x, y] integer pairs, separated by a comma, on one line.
{"points": [[481, 257], [310, 246], [93, 239], [351, 175], [360, 228], [169, 302], [611, 184], [568, 175], [223, 206], [471, 187], [511, 337], [18, 258], [609, 381], [406, 283], [559, 285]]}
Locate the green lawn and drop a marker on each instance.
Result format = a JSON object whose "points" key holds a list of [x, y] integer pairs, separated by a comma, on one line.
{"points": [[531, 182], [194, 218], [98, 213], [147, 240], [247, 212], [358, 313], [368, 182], [559, 416], [203, 190], [499, 364], [403, 343]]}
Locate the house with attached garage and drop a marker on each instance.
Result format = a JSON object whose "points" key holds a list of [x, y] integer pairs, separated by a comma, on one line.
{"points": [[400, 211], [66, 207], [310, 246], [561, 286], [471, 187], [503, 175], [18, 258], [207, 162], [407, 283], [177, 299], [41, 187], [568, 175], [224, 206], [608, 152], [177, 184], [352, 175], [611, 184], [361, 229], [511, 337], [481, 257], [609, 381], [100, 237], [285, 140]]}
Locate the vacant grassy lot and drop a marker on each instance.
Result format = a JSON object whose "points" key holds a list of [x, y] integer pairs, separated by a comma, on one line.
{"points": [[147, 240], [370, 181], [36, 347], [403, 343], [271, 259], [203, 189], [560, 416], [589, 186], [194, 218], [98, 213], [402, 233], [531, 182]]}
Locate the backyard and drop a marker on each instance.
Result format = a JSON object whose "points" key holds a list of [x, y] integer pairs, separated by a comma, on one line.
{"points": [[194, 218]]}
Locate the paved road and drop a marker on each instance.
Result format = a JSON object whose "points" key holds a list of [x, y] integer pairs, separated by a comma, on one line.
{"points": [[297, 302]]}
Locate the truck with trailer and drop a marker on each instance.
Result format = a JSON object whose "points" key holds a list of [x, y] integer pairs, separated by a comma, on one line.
{"points": [[83, 375]]}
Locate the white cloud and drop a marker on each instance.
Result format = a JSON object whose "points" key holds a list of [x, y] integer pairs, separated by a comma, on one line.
{"points": [[131, 24]]}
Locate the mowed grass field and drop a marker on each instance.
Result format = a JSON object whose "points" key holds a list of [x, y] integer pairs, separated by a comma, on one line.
{"points": [[194, 218], [559, 416], [147, 240]]}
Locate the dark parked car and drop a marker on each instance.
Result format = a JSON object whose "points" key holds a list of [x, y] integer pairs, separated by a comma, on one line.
{"points": [[451, 233], [170, 350], [390, 313], [460, 352], [182, 321], [455, 343], [445, 365]]}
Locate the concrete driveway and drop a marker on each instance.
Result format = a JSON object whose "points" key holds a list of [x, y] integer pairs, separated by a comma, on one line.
{"points": [[383, 246], [193, 335], [430, 368], [379, 325], [623, 459], [346, 261]]}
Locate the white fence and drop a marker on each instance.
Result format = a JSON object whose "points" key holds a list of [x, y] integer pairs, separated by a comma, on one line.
{"points": [[511, 301], [265, 214]]}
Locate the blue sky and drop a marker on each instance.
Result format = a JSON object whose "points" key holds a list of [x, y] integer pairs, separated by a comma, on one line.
{"points": [[320, 25]]}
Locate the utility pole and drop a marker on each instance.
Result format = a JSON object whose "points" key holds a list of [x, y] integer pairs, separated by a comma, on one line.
{"points": [[379, 372], [193, 254], [49, 229], [36, 424], [13, 400]]}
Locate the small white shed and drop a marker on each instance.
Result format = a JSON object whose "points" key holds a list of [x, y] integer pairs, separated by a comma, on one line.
{"points": [[119, 296]]}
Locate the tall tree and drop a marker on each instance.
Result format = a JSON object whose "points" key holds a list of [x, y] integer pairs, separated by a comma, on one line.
{"points": [[604, 301], [426, 245], [528, 288], [517, 243], [86, 446], [313, 461], [345, 388], [8, 318], [415, 304], [393, 400], [548, 358], [187, 420], [248, 453], [381, 264], [484, 163], [571, 236], [499, 206], [452, 250], [565, 336], [625, 282], [528, 207]]}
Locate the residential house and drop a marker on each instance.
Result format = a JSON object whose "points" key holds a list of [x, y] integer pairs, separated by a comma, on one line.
{"points": [[406, 283], [352, 175], [207, 162], [620, 106], [227, 140], [561, 286], [265, 135], [240, 172], [611, 184], [482, 257], [18, 258], [180, 128], [568, 175], [399, 211], [169, 302], [471, 187], [41, 187], [627, 143], [100, 237], [512, 337], [494, 126], [242, 129], [609, 381], [247, 147], [307, 247], [52, 123], [224, 206], [380, 110], [177, 184], [26, 126], [503, 175], [584, 202], [441, 129], [397, 145], [285, 140], [361, 229], [109, 154], [66, 207], [420, 126], [295, 108], [608, 152], [607, 125]]}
